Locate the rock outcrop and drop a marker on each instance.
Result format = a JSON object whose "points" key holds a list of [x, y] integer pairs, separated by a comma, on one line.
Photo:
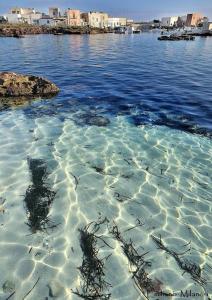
{"points": [[16, 85], [21, 30]]}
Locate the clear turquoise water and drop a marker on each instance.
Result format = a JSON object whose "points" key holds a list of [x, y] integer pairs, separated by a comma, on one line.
{"points": [[152, 162]]}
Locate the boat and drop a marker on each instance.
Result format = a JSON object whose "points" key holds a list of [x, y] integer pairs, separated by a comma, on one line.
{"points": [[133, 30], [120, 30], [175, 37], [136, 31], [58, 33], [18, 36]]}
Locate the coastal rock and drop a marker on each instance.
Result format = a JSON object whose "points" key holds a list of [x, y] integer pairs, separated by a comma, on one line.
{"points": [[19, 30], [16, 85]]}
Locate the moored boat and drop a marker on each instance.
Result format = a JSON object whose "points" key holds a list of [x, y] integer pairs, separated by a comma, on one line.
{"points": [[174, 37], [120, 30]]}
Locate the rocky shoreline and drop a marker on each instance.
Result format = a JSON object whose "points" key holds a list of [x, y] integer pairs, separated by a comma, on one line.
{"points": [[8, 30], [17, 85]]}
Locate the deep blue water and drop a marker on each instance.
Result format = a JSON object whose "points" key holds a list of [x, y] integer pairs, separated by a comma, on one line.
{"points": [[152, 82]]}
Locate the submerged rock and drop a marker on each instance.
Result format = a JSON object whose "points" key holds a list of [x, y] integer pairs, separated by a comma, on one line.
{"points": [[17, 85], [98, 121], [90, 119]]}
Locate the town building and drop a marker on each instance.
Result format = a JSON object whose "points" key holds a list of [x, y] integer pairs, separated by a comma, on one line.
{"points": [[194, 19], [207, 26], [32, 19], [130, 22], [46, 21], [14, 18], [60, 21], [73, 17], [95, 19], [169, 21], [181, 22], [3, 20], [116, 22], [23, 15], [22, 11], [54, 12]]}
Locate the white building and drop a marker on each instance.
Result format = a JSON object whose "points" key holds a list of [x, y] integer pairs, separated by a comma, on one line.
{"points": [[14, 18], [46, 21], [22, 10], [23, 15], [32, 19], [95, 19], [169, 21], [54, 12], [207, 26], [116, 22]]}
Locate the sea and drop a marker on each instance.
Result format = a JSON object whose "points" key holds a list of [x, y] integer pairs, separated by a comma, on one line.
{"points": [[105, 189]]}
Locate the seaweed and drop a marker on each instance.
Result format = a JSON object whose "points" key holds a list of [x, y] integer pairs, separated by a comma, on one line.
{"points": [[27, 294], [121, 198], [2, 202], [99, 170], [137, 262], [39, 197], [93, 285], [187, 266], [75, 179], [10, 296]]}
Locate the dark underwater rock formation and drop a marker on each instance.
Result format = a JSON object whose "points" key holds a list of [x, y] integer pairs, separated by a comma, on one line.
{"points": [[17, 85], [97, 121], [92, 120]]}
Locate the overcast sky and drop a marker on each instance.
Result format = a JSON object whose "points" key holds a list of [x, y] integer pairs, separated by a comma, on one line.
{"points": [[136, 9]]}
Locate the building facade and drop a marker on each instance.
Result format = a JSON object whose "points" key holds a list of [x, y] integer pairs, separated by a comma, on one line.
{"points": [[73, 17], [169, 21], [116, 22], [54, 12], [46, 21], [32, 19], [24, 15], [95, 19], [181, 22], [22, 11], [3, 20], [60, 21], [194, 19], [14, 18], [206, 25]]}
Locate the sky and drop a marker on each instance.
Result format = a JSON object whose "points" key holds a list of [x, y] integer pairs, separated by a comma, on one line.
{"points": [[135, 9]]}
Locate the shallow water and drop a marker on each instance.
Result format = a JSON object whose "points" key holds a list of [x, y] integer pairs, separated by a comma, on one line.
{"points": [[152, 162]]}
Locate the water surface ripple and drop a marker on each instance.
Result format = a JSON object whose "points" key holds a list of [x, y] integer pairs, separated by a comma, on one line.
{"points": [[127, 141]]}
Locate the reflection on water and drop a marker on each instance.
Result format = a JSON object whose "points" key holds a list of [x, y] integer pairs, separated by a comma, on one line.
{"points": [[126, 145]]}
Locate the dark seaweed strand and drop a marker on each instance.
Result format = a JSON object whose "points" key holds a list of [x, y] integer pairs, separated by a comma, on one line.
{"points": [[140, 276], [92, 269], [186, 265], [39, 197]]}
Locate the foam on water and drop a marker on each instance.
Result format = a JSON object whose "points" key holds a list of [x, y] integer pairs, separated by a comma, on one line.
{"points": [[123, 172]]}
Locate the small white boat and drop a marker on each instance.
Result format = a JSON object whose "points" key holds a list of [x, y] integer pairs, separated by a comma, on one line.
{"points": [[133, 30]]}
